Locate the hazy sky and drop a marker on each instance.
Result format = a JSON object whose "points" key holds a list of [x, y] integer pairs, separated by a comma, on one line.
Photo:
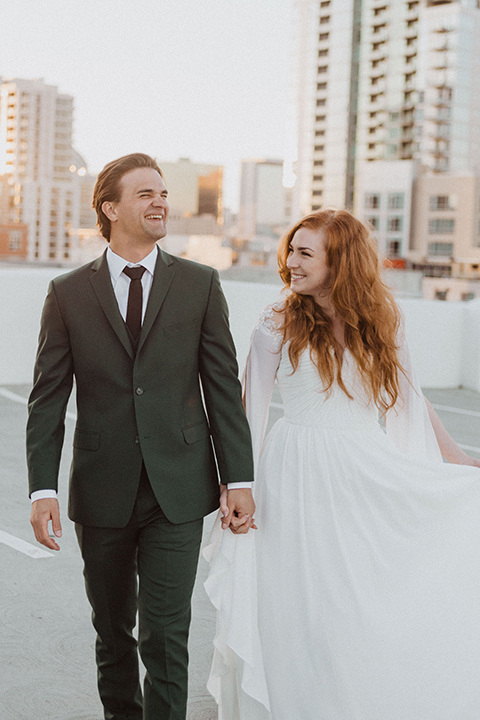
{"points": [[205, 79]]}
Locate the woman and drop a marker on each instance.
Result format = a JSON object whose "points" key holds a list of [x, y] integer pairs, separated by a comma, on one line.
{"points": [[358, 597]]}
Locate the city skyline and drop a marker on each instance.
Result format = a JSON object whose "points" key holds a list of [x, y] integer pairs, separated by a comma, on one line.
{"points": [[175, 80]]}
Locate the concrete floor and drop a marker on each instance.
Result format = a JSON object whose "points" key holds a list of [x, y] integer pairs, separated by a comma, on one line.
{"points": [[47, 669]]}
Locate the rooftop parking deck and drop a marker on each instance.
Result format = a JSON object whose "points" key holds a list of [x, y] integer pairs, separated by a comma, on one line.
{"points": [[47, 668]]}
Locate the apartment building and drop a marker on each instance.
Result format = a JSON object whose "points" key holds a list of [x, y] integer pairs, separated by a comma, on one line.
{"points": [[383, 80], [39, 186]]}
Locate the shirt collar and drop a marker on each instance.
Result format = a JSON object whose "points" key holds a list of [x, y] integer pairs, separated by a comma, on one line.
{"points": [[117, 263]]}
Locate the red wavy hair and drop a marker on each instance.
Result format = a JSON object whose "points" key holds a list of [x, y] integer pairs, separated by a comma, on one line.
{"points": [[360, 298]]}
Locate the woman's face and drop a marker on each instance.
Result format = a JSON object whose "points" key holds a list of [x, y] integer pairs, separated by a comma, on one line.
{"points": [[307, 263]]}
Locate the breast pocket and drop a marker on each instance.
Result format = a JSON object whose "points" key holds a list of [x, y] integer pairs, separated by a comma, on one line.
{"points": [[188, 326]]}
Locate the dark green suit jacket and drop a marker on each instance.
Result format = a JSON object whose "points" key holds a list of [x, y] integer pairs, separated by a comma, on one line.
{"points": [[144, 406]]}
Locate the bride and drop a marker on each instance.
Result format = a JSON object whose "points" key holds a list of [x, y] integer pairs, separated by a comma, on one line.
{"points": [[358, 596]]}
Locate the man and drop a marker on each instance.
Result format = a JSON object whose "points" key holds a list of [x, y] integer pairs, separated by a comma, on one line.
{"points": [[138, 329]]}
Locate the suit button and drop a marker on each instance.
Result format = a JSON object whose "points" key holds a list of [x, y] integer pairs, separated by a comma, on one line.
{"points": [[137, 439], [139, 391]]}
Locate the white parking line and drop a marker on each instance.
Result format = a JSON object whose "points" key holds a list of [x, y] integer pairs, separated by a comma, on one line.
{"points": [[446, 408], [23, 401], [24, 547]]}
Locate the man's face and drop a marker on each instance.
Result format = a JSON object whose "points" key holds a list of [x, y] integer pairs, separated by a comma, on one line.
{"points": [[142, 211]]}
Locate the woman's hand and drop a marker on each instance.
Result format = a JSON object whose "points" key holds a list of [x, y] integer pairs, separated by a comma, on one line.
{"points": [[223, 501]]}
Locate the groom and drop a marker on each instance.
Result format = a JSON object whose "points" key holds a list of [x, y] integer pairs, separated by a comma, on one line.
{"points": [[146, 337]]}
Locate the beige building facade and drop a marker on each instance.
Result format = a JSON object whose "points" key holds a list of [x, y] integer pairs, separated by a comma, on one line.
{"points": [[36, 155], [383, 81], [446, 222]]}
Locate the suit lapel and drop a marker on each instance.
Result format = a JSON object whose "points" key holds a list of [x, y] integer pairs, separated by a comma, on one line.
{"points": [[162, 279], [103, 288]]}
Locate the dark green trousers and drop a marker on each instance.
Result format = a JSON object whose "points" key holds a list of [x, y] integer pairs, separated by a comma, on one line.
{"points": [[163, 557]]}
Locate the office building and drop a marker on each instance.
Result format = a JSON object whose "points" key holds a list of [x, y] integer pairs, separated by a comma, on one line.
{"points": [[194, 196], [263, 201]]}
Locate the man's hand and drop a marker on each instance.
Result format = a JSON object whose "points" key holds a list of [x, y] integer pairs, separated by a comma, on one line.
{"points": [[240, 510], [42, 512]]}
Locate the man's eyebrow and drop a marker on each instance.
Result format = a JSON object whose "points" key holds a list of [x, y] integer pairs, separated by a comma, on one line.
{"points": [[150, 190]]}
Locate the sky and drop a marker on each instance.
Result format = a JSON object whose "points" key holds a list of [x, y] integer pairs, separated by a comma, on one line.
{"points": [[204, 79]]}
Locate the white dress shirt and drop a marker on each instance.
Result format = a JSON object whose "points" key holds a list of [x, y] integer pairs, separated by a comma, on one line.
{"points": [[121, 286]]}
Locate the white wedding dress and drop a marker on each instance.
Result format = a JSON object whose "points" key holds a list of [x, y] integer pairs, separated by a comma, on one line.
{"points": [[358, 597]]}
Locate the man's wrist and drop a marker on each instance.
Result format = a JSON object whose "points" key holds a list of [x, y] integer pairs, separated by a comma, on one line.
{"points": [[43, 495], [240, 486]]}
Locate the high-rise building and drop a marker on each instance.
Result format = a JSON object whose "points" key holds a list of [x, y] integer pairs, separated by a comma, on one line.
{"points": [[263, 201], [380, 80], [36, 165]]}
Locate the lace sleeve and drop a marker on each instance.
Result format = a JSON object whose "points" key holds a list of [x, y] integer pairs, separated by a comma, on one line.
{"points": [[408, 423], [259, 376]]}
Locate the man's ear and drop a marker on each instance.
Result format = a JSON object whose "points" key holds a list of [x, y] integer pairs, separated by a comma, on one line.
{"points": [[109, 209]]}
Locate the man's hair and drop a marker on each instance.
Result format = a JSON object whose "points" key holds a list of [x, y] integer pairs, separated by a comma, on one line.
{"points": [[107, 188]]}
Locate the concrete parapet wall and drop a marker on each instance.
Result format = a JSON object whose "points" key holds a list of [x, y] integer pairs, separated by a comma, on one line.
{"points": [[444, 337]]}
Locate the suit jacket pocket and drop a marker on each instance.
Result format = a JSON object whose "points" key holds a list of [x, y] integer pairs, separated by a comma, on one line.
{"points": [[196, 432], [85, 440]]}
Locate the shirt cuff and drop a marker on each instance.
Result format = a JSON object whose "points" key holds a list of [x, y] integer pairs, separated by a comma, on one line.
{"points": [[240, 486], [42, 495]]}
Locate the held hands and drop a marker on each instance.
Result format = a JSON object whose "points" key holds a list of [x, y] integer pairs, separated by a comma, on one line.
{"points": [[238, 510], [44, 511]]}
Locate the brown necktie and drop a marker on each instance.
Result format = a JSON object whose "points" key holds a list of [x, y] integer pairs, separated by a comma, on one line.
{"points": [[135, 300]]}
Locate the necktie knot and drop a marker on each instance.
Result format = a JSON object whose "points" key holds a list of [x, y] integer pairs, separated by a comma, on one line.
{"points": [[134, 273]]}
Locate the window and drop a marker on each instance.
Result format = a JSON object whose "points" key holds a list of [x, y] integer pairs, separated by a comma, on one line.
{"points": [[374, 222], [324, 19], [317, 178], [396, 201], [15, 240], [323, 53], [317, 163], [323, 36], [319, 133], [439, 248], [316, 193], [321, 102], [322, 86], [441, 227], [468, 296], [442, 202], [395, 224], [319, 148], [441, 294], [393, 248], [372, 201], [322, 69]]}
